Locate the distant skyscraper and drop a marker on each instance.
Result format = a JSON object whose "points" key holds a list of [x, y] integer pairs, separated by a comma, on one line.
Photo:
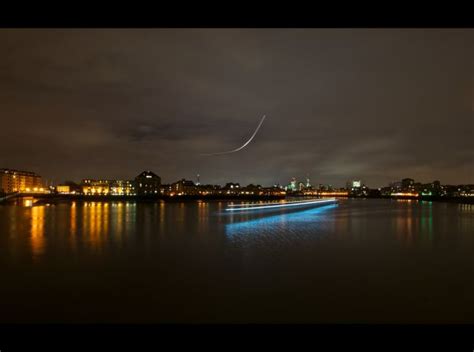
{"points": [[293, 184], [198, 183], [353, 184]]}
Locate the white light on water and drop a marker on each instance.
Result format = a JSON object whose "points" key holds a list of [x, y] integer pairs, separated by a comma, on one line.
{"points": [[271, 206]]}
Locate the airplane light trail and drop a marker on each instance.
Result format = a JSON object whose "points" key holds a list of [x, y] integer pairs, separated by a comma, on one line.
{"points": [[244, 145]]}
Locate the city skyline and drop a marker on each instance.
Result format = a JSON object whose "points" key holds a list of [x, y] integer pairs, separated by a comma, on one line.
{"points": [[197, 180], [293, 184], [375, 104]]}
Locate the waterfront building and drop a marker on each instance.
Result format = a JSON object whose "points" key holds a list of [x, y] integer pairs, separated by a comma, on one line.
{"points": [[395, 187], [467, 191], [436, 188], [74, 188], [273, 191], [165, 189], [418, 186], [252, 190], [209, 190], [107, 187], [95, 187], [408, 185], [147, 183], [231, 188], [122, 188], [429, 189], [184, 187], [325, 188], [20, 181], [356, 188], [63, 189], [353, 185]]}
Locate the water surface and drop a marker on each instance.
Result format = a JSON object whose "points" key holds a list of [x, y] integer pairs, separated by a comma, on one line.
{"points": [[371, 260]]}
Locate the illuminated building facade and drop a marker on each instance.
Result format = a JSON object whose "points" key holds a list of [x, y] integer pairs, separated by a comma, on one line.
{"points": [[95, 187], [20, 181], [466, 191], [292, 186], [430, 189], [122, 188], [354, 184], [148, 183], [357, 189], [63, 189], [107, 187]]}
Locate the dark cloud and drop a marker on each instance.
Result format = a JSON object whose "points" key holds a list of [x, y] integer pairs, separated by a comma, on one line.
{"points": [[372, 104]]}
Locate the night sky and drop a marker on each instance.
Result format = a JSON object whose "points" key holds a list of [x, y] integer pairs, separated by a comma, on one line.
{"points": [[376, 105]]}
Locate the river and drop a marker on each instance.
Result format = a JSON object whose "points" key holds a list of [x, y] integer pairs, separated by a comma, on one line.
{"points": [[360, 261]]}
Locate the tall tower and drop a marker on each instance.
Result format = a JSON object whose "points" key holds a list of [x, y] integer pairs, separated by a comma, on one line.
{"points": [[293, 184], [198, 183]]}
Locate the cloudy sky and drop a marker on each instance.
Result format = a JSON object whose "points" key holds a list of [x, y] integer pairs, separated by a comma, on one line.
{"points": [[370, 104]]}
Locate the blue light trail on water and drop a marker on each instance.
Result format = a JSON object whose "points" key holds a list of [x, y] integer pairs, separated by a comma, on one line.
{"points": [[299, 221]]}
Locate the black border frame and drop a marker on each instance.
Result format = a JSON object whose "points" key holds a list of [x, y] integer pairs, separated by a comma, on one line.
{"points": [[347, 337]]}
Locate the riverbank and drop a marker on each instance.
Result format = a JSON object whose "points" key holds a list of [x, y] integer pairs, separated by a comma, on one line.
{"points": [[62, 198], [463, 200], [55, 198]]}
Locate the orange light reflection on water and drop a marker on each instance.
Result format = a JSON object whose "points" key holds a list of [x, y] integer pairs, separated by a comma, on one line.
{"points": [[37, 230]]}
